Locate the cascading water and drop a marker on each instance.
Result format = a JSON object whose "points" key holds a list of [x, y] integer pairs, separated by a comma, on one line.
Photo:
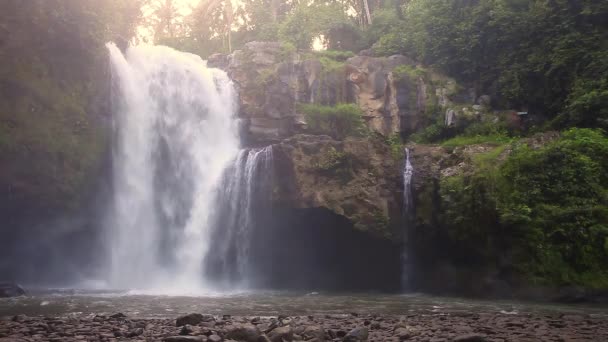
{"points": [[175, 135], [408, 208], [245, 197]]}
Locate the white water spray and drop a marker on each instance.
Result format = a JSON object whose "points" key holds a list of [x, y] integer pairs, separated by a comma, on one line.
{"points": [[408, 208], [175, 134]]}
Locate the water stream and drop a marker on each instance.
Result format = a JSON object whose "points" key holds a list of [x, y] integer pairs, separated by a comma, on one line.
{"points": [[175, 133]]}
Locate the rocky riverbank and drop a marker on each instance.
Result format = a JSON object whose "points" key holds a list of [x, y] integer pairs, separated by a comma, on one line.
{"points": [[436, 327]]}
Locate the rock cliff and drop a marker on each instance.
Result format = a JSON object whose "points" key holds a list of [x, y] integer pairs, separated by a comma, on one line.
{"points": [[395, 94]]}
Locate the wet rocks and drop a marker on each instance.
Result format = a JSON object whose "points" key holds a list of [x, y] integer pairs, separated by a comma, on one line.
{"points": [[470, 338], [244, 332], [425, 326], [191, 319], [9, 289], [281, 334], [357, 334], [184, 338]]}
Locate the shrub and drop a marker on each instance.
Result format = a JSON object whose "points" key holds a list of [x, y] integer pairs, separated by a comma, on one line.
{"points": [[337, 121]]}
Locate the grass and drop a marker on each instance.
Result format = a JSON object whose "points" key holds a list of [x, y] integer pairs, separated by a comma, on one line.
{"points": [[492, 139]]}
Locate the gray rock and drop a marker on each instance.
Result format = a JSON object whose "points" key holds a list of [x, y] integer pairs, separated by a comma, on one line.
{"points": [[357, 334], [184, 339], [214, 338], [218, 60], [192, 319], [135, 332], [281, 334], [403, 334], [263, 338], [8, 289], [186, 330], [470, 338], [244, 332], [314, 331]]}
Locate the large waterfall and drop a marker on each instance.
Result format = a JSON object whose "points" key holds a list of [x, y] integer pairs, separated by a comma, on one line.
{"points": [[175, 134]]}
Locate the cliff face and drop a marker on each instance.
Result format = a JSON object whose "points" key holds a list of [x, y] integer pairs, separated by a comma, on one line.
{"points": [[466, 225], [355, 178], [394, 94], [358, 178]]}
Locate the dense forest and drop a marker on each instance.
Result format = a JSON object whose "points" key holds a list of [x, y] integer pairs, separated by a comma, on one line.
{"points": [[544, 209]]}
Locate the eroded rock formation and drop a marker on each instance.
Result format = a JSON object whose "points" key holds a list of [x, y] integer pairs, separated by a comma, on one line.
{"points": [[394, 93]]}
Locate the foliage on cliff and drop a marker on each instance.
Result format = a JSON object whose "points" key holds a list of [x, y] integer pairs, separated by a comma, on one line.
{"points": [[544, 209], [53, 79], [337, 121]]}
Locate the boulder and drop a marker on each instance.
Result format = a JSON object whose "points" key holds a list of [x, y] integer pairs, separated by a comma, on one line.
{"points": [[358, 178], [184, 339], [357, 334], [470, 338], [244, 333], [191, 319], [393, 92], [314, 332], [10, 289], [281, 334]]}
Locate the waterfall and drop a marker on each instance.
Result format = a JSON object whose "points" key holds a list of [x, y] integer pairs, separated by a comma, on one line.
{"points": [[175, 134], [408, 209], [247, 190], [408, 171]]}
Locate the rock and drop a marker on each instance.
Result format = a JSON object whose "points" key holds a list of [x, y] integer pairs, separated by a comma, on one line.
{"points": [[403, 333], [263, 338], [470, 338], [218, 60], [135, 332], [314, 331], [9, 289], [214, 338], [357, 334], [191, 319], [186, 330], [118, 315], [184, 339], [280, 334], [319, 165], [244, 332]]}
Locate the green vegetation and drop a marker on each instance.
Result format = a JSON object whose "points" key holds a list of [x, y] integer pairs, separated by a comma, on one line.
{"points": [[396, 145], [403, 72], [547, 56], [545, 207], [53, 66], [463, 140], [333, 160], [336, 55], [337, 121]]}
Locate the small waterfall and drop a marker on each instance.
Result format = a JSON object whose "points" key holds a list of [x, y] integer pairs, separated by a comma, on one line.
{"points": [[175, 133], [408, 211], [247, 190]]}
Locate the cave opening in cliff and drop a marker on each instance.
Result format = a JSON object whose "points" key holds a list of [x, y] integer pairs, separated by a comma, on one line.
{"points": [[315, 248]]}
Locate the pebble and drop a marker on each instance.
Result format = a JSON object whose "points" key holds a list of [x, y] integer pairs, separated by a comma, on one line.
{"points": [[435, 327]]}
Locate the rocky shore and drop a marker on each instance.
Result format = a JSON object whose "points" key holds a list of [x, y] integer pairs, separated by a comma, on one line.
{"points": [[462, 327]]}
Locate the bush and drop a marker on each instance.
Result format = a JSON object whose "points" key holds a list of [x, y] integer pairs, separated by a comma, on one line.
{"points": [[337, 121], [336, 55], [545, 207]]}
